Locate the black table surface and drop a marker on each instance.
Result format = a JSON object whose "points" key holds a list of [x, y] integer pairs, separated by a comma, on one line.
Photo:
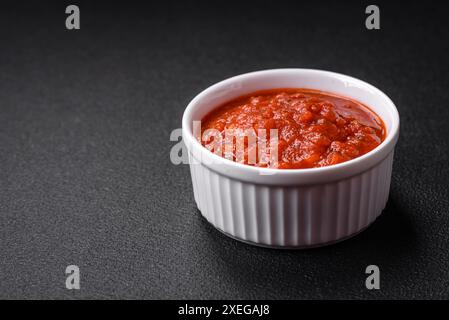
{"points": [[85, 125]]}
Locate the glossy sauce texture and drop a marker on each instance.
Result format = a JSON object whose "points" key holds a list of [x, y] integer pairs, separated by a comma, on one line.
{"points": [[315, 128]]}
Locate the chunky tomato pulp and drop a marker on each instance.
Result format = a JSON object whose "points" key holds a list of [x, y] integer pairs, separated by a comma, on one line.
{"points": [[314, 128]]}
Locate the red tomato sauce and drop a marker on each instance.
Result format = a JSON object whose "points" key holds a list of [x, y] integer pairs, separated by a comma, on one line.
{"points": [[315, 128]]}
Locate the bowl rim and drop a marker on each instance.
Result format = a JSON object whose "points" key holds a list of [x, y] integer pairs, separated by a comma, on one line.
{"points": [[288, 176]]}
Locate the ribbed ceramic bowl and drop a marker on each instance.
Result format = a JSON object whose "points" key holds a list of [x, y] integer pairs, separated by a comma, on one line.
{"points": [[293, 208]]}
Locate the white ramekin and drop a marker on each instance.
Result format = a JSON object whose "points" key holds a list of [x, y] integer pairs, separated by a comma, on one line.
{"points": [[299, 207]]}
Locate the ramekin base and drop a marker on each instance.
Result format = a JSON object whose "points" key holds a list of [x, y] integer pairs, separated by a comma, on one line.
{"points": [[276, 247]]}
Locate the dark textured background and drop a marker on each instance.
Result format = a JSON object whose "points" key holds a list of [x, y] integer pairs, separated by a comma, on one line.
{"points": [[85, 174]]}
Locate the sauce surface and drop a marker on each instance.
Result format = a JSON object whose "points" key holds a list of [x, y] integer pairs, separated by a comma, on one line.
{"points": [[315, 128]]}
